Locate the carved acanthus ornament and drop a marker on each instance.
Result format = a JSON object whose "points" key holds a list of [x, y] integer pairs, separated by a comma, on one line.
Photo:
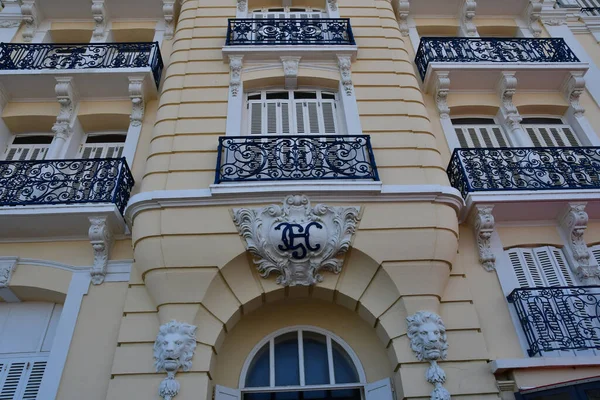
{"points": [[574, 224], [169, 14], [332, 5], [102, 240], [533, 17], [345, 65], [442, 89], [403, 10], [573, 89], [7, 267], [295, 240], [507, 87], [173, 350], [428, 341], [468, 13], [290, 71], [235, 74], [136, 94], [30, 18], [67, 98], [242, 6], [483, 225], [99, 14]]}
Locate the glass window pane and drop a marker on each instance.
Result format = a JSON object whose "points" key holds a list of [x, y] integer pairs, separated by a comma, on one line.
{"points": [[287, 363], [316, 366], [343, 366], [346, 394], [257, 396], [258, 373], [593, 394], [288, 395]]}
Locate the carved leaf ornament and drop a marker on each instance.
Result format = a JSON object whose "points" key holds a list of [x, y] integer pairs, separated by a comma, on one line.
{"points": [[295, 240]]}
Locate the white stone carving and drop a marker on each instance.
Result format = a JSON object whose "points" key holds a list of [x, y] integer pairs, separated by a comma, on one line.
{"points": [[428, 340], [507, 87], [402, 11], [169, 13], [442, 89], [574, 224], [296, 240], [138, 102], [102, 240], [242, 5], [483, 225], [10, 23], [468, 13], [573, 88], [290, 71], [99, 14], [235, 74], [345, 65], [67, 98], [332, 5], [30, 18], [173, 349], [7, 267], [533, 17]]}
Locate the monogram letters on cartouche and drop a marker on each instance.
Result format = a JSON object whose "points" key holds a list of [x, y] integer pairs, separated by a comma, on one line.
{"points": [[295, 240]]}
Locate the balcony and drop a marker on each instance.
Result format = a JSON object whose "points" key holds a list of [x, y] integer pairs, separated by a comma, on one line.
{"points": [[527, 183], [314, 38], [476, 63], [558, 318], [100, 70], [295, 158], [58, 195]]}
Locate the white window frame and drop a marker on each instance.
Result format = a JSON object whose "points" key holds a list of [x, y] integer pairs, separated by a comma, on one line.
{"points": [[453, 136], [104, 146], [300, 328], [327, 12], [286, 12], [565, 124], [32, 147]]}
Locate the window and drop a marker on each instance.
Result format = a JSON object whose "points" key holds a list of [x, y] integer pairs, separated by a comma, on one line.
{"points": [[26, 335], [103, 145], [549, 132], [540, 267], [581, 391], [288, 12], [479, 132], [28, 147], [292, 112]]}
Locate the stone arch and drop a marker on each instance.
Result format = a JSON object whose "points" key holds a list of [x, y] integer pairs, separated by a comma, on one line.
{"points": [[271, 75]]}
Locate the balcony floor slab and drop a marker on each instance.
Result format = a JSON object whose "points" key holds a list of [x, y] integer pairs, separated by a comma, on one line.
{"points": [[274, 52]]}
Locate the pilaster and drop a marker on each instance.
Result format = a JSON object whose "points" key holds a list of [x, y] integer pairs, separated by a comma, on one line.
{"points": [[507, 87]]}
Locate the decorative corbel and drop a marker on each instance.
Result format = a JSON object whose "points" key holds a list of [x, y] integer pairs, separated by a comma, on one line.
{"points": [[136, 94], [169, 13], [30, 18], [290, 71], [483, 226], [468, 13], [99, 14], [242, 6], [402, 11], [442, 89], [573, 88], [11, 15], [235, 74], [574, 223], [345, 65], [66, 95], [7, 267], [332, 5], [507, 87], [533, 17], [102, 240]]}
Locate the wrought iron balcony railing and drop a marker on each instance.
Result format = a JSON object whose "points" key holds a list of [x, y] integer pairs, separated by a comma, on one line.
{"points": [[491, 50], [289, 31], [47, 182], [277, 158], [40, 56], [558, 318], [524, 168], [591, 11]]}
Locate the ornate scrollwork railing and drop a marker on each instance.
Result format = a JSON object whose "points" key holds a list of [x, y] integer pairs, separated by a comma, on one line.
{"points": [[275, 158], [492, 50], [289, 31], [558, 318], [101, 180], [591, 11], [40, 56], [524, 168]]}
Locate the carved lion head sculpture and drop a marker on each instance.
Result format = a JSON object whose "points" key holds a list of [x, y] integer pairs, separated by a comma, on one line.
{"points": [[427, 335], [174, 347]]}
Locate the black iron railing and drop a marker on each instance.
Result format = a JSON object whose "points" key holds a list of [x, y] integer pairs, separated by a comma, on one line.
{"points": [[524, 168], [558, 318], [40, 56], [100, 180], [289, 31], [591, 11], [491, 50], [277, 158]]}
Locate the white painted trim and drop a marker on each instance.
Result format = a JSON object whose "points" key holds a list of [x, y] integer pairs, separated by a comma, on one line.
{"points": [[8, 296], [270, 52], [256, 187], [270, 339], [326, 192], [80, 283], [503, 365]]}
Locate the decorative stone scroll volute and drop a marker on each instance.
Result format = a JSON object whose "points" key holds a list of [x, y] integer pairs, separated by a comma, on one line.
{"points": [[295, 240], [484, 225]]}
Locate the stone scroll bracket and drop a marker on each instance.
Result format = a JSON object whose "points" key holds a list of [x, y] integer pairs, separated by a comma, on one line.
{"points": [[236, 66], [345, 66], [170, 11], [402, 13], [31, 18], [100, 15], [573, 88], [68, 99], [137, 94], [533, 16], [442, 90], [466, 18], [102, 241], [290, 71], [483, 226]]}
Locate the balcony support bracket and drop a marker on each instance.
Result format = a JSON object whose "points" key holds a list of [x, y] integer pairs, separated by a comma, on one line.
{"points": [[235, 74], [533, 17], [483, 226], [169, 12], [573, 88], [7, 267], [100, 14], [345, 65], [466, 19], [290, 71], [102, 241], [402, 12], [31, 18]]}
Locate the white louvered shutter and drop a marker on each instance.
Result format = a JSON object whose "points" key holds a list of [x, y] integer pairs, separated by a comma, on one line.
{"points": [[9, 387], [255, 117], [596, 253], [26, 152], [329, 117], [34, 379], [478, 136], [552, 135], [21, 378], [309, 117]]}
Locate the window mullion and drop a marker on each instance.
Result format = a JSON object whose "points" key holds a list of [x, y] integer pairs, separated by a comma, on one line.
{"points": [[330, 361], [301, 357], [272, 362]]}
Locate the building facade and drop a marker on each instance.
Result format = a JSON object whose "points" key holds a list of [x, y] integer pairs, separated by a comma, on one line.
{"points": [[289, 200]]}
